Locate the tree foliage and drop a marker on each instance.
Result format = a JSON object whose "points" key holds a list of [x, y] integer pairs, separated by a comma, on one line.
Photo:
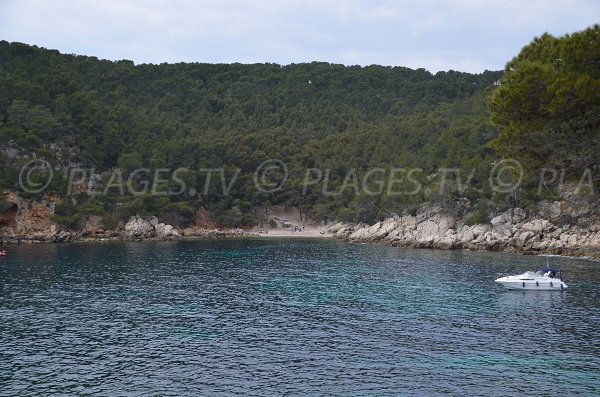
{"points": [[78, 110], [548, 103]]}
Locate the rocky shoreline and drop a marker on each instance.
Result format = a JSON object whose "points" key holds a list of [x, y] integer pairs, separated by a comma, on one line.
{"points": [[514, 230], [34, 226], [30, 221], [569, 227]]}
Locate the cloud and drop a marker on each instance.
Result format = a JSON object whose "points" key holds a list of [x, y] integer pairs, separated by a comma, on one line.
{"points": [[464, 35]]}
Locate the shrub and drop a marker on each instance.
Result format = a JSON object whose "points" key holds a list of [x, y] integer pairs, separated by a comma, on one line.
{"points": [[91, 208], [4, 206], [70, 221], [109, 222], [480, 215]]}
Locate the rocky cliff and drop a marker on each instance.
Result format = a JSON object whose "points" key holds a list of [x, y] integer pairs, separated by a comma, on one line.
{"points": [[30, 220], [512, 230]]}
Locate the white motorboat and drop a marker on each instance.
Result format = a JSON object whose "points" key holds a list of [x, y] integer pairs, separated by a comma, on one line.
{"points": [[544, 279]]}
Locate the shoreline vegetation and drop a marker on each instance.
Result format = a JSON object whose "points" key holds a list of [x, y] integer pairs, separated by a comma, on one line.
{"points": [[500, 160], [514, 230]]}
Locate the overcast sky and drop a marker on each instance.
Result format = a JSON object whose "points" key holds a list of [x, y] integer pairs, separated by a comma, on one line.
{"points": [[464, 35]]}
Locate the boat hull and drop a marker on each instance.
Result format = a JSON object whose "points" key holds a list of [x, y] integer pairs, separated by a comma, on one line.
{"points": [[528, 283], [543, 285]]}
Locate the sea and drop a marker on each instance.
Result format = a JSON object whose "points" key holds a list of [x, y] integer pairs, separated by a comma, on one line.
{"points": [[269, 316]]}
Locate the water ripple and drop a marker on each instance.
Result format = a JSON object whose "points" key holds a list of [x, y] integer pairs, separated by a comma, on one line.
{"points": [[255, 317]]}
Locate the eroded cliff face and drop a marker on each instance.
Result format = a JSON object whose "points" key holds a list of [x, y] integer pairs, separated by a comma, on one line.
{"points": [[545, 231], [31, 219], [8, 218]]}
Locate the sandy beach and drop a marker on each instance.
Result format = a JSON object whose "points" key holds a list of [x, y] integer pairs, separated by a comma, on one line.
{"points": [[312, 232]]}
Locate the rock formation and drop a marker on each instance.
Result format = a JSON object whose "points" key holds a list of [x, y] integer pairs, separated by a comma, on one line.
{"points": [[567, 227], [31, 220], [138, 228], [511, 230]]}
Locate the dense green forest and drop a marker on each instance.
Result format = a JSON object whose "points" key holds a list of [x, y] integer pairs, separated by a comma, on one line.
{"points": [[549, 103], [79, 111]]}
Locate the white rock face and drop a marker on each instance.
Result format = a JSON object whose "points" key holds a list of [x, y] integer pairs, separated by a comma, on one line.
{"points": [[480, 229], [498, 220], [165, 231], [378, 231], [536, 225], [502, 230], [553, 210], [524, 236], [512, 230], [339, 230], [140, 228]]}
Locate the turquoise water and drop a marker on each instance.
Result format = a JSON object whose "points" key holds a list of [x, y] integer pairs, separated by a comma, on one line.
{"points": [[294, 317]]}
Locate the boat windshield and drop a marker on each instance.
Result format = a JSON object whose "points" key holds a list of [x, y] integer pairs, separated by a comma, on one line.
{"points": [[552, 273]]}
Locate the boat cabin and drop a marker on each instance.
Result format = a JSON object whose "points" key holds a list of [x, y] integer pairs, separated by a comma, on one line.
{"points": [[550, 272]]}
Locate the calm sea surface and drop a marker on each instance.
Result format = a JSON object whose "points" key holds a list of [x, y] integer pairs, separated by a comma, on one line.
{"points": [[273, 317]]}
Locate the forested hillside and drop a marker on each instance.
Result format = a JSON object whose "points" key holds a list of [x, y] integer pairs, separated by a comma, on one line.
{"points": [[81, 111], [549, 103]]}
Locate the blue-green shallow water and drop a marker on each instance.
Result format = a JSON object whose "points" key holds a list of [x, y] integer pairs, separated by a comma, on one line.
{"points": [[272, 317]]}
